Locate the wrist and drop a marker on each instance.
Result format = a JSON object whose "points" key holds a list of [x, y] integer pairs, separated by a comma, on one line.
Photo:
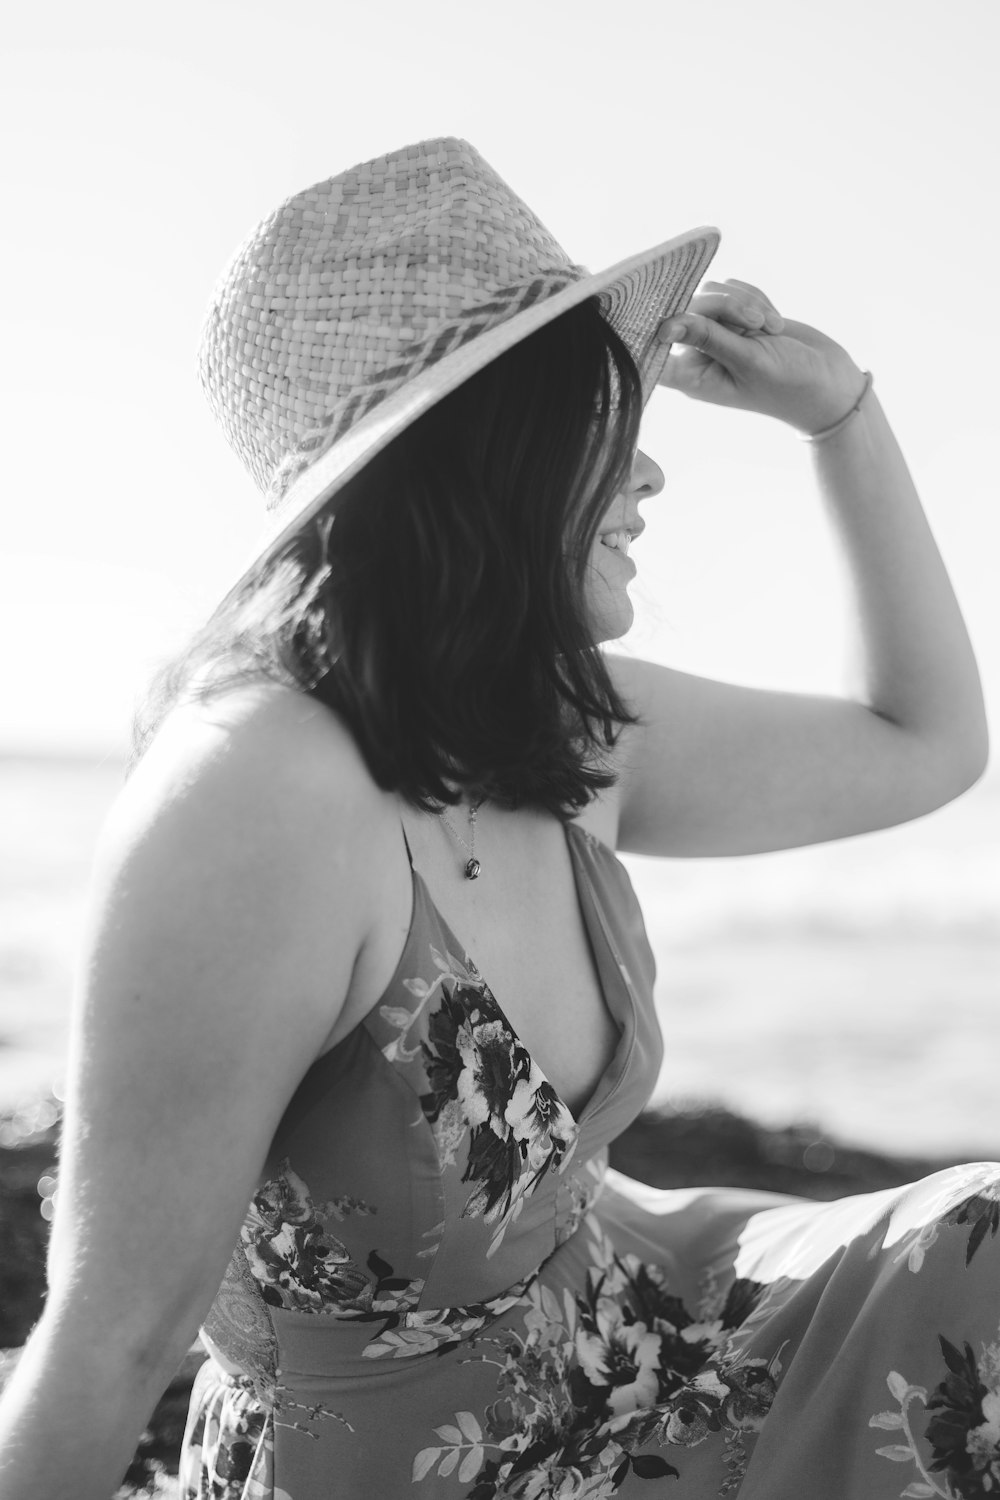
{"points": [[821, 433]]}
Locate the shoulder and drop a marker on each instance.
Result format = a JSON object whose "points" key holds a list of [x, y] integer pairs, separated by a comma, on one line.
{"points": [[626, 673], [259, 726], [256, 743], [259, 788]]}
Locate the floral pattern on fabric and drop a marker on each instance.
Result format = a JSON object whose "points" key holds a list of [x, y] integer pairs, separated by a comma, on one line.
{"points": [[232, 1433], [581, 1191], [228, 1449], [980, 1210], [433, 1330], [963, 1432], [602, 1369], [599, 1376], [485, 1094], [299, 1264]]}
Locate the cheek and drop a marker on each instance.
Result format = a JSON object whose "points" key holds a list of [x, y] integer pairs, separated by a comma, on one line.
{"points": [[601, 565]]}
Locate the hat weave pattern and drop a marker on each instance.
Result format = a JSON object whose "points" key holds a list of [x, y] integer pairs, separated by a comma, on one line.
{"points": [[353, 286], [364, 299], [446, 338]]}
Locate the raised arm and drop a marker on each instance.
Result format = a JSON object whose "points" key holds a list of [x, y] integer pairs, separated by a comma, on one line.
{"points": [[723, 769], [228, 909]]}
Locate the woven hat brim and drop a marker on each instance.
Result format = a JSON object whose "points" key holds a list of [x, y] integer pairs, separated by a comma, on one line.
{"points": [[675, 268]]}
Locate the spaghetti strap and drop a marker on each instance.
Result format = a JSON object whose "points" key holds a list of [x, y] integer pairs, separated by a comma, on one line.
{"points": [[407, 843]]}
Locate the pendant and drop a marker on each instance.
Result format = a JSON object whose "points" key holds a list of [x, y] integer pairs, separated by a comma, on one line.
{"points": [[472, 869]]}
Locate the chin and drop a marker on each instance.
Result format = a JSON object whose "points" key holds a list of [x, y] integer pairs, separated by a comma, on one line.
{"points": [[613, 621], [609, 608]]}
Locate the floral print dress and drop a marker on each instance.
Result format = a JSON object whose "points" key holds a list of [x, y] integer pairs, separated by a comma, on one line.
{"points": [[441, 1291]]}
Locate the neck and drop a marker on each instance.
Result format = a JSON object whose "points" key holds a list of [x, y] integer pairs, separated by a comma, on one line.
{"points": [[466, 798]]}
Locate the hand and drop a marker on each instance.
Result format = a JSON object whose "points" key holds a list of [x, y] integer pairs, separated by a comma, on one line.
{"points": [[740, 352]]}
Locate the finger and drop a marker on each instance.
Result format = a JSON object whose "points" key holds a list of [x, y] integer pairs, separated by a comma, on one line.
{"points": [[697, 375], [735, 354], [744, 286], [774, 321], [741, 312], [746, 294]]}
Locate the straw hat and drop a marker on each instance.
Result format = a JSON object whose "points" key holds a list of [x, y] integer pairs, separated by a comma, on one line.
{"points": [[361, 301]]}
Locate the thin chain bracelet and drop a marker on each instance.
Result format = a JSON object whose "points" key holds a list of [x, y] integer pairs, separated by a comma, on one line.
{"points": [[825, 432]]}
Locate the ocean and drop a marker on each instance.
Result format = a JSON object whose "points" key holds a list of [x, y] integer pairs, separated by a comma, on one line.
{"points": [[853, 986]]}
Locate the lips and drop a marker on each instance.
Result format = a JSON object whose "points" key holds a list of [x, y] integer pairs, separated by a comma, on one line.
{"points": [[619, 538], [623, 558], [616, 541]]}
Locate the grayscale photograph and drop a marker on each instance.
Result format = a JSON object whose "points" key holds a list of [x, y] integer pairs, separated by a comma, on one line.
{"points": [[499, 844]]}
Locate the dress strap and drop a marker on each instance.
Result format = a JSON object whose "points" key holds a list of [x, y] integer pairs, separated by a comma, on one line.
{"points": [[407, 843]]}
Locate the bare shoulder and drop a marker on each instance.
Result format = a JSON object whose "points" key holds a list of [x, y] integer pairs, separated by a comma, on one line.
{"points": [[258, 800], [258, 739], [258, 768]]}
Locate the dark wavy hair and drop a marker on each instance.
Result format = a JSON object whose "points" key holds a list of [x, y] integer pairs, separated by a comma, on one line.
{"points": [[437, 604]]}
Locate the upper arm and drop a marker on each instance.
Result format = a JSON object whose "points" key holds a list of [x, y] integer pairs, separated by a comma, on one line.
{"points": [[227, 911], [720, 769]]}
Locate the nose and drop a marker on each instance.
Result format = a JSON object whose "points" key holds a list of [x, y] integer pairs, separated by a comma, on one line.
{"points": [[647, 477]]}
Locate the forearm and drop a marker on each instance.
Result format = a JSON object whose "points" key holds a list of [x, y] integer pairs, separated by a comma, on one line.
{"points": [[918, 664], [70, 1423]]}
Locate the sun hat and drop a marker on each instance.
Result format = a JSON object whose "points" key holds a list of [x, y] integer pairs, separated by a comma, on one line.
{"points": [[362, 300]]}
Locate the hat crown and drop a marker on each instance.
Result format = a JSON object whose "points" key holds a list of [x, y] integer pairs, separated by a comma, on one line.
{"points": [[353, 285]]}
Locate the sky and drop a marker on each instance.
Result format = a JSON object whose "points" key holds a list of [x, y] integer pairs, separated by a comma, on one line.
{"points": [[846, 151]]}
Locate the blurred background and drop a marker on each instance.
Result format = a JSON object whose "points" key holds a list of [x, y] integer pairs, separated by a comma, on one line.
{"points": [[848, 155]]}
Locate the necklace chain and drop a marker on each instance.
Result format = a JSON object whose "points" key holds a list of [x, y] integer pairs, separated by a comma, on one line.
{"points": [[472, 865]]}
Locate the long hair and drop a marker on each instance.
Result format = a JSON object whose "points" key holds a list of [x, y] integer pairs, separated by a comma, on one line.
{"points": [[437, 603]]}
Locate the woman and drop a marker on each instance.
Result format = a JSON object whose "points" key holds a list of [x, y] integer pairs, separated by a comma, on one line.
{"points": [[366, 992]]}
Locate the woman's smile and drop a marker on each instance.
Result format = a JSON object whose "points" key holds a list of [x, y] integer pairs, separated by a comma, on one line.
{"points": [[617, 541]]}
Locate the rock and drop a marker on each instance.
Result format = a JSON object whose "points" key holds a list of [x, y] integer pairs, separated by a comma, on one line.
{"points": [[709, 1146]]}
